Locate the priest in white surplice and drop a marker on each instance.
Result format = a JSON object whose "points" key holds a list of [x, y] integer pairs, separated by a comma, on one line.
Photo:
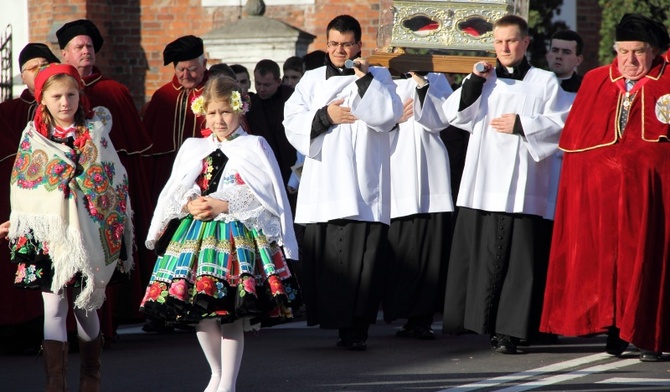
{"points": [[339, 118], [497, 268], [421, 206]]}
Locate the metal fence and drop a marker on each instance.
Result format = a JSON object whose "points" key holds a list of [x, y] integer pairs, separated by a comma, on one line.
{"points": [[6, 70]]}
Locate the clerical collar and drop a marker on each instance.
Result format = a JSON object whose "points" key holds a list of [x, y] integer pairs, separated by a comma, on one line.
{"points": [[332, 70], [516, 73]]}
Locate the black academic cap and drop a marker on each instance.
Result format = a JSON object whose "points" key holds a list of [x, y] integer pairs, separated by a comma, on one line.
{"points": [[637, 27], [184, 48], [76, 28], [36, 50]]}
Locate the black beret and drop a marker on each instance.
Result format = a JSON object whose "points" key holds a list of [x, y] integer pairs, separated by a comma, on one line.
{"points": [[36, 50], [636, 27], [184, 48], [76, 28]]}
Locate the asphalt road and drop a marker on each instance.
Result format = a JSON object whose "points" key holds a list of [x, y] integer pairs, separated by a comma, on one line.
{"points": [[294, 357]]}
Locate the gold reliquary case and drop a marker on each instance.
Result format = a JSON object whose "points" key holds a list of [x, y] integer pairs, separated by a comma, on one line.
{"points": [[443, 25]]}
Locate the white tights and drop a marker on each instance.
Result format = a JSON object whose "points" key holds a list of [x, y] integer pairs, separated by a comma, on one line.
{"points": [[222, 344], [55, 316]]}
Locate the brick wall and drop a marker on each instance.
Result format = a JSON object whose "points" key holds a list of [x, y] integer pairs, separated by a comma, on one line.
{"points": [[136, 32], [588, 26], [135, 35]]}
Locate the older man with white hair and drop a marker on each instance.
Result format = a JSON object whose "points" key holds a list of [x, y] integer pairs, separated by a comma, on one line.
{"points": [[609, 267]]}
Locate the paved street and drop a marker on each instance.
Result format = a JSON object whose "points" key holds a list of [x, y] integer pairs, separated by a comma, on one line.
{"points": [[297, 358]]}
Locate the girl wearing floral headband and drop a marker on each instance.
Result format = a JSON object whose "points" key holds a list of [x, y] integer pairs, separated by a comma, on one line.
{"points": [[218, 226], [70, 221]]}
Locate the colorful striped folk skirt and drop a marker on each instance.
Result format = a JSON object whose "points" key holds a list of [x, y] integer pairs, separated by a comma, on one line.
{"points": [[216, 269]]}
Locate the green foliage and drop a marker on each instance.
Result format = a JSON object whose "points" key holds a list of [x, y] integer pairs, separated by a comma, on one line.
{"points": [[541, 28], [613, 10]]}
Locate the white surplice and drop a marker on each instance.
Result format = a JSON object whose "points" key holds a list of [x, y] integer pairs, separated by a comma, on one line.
{"points": [[346, 170], [503, 172], [420, 175]]}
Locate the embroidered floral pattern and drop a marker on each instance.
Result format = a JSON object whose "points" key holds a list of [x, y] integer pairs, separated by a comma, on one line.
{"points": [[205, 285], [103, 114], [179, 290], [26, 274], [248, 285], [210, 286], [156, 292], [104, 200], [26, 246], [206, 175], [276, 286]]}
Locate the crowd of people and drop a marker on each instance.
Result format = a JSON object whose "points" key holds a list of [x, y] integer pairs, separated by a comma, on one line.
{"points": [[338, 188]]}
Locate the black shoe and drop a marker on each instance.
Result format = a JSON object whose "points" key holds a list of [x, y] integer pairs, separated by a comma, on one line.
{"points": [[615, 345], [420, 333], [342, 343], [504, 344], [424, 333], [357, 345], [352, 344], [407, 331], [650, 356]]}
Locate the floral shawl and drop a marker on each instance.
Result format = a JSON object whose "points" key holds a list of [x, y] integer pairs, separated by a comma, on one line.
{"points": [[79, 210]]}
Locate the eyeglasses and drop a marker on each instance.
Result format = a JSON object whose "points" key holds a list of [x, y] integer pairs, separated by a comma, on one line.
{"points": [[345, 45], [34, 67]]}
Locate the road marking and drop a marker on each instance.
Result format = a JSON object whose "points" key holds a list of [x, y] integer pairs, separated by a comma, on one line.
{"points": [[515, 377], [637, 381], [570, 376]]}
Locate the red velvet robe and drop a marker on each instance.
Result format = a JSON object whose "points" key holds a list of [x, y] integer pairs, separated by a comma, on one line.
{"points": [[610, 252], [130, 140], [18, 306], [17, 112], [169, 125]]}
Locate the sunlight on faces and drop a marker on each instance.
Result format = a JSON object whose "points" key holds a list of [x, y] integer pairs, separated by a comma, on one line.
{"points": [[79, 52], [345, 48], [221, 119], [510, 46], [61, 97], [30, 69], [190, 73], [634, 58], [266, 85], [562, 57]]}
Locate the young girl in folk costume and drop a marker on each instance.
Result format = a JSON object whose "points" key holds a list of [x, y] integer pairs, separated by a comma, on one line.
{"points": [[70, 221], [222, 268]]}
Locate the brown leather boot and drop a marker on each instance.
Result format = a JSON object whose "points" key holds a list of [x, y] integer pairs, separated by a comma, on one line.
{"points": [[55, 364], [89, 374]]}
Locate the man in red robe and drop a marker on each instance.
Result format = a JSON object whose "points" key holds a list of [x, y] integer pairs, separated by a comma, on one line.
{"points": [[168, 117], [19, 111], [609, 268], [25, 307], [79, 42]]}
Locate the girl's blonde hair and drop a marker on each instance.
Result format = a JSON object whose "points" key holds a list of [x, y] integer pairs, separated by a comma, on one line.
{"points": [[79, 116], [221, 88]]}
